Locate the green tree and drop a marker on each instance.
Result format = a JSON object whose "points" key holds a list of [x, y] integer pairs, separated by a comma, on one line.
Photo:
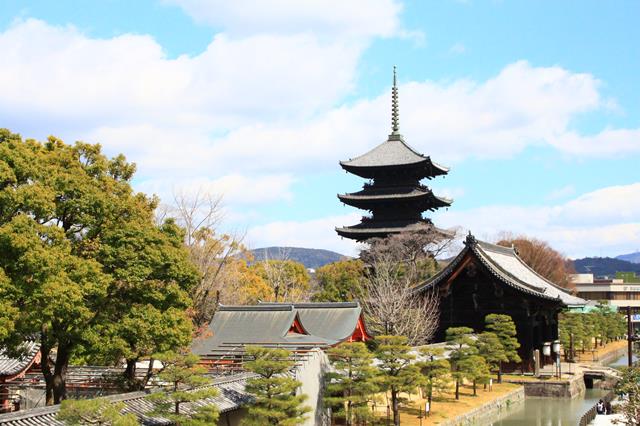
{"points": [[353, 381], [572, 333], [475, 369], [183, 382], [461, 346], [504, 327], [275, 400], [629, 385], [490, 348], [98, 411], [435, 371], [340, 281], [397, 372], [80, 250]]}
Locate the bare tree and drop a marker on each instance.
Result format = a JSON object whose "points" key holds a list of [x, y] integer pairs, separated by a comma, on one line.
{"points": [[395, 265], [200, 215], [289, 280]]}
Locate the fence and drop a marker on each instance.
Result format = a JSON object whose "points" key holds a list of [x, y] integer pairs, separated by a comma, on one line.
{"points": [[591, 414]]}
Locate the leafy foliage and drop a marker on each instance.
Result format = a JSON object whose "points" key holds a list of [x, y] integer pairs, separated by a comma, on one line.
{"points": [[82, 257], [461, 347], [276, 402], [397, 373], [504, 327], [353, 382], [630, 386], [340, 281], [491, 349], [183, 383], [475, 369], [435, 371], [98, 411]]}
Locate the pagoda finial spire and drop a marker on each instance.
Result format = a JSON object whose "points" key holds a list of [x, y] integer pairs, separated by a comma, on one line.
{"points": [[395, 109]]}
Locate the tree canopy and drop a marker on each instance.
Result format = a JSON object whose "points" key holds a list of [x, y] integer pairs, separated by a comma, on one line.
{"points": [[82, 258]]}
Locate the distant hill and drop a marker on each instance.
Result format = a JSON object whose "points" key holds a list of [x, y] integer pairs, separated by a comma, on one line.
{"points": [[310, 258], [631, 257], [604, 266]]}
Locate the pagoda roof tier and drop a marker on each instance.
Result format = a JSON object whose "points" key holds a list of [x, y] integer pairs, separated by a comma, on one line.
{"points": [[370, 228], [392, 154], [371, 196]]}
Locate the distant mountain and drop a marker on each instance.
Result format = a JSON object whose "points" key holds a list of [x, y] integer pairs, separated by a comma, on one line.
{"points": [[310, 258], [600, 266], [631, 257]]}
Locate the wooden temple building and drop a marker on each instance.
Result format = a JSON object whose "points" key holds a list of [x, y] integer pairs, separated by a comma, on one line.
{"points": [[489, 279], [297, 327], [394, 195]]}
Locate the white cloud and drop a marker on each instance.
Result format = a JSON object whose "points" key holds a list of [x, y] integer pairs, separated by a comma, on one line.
{"points": [[458, 48], [316, 233], [560, 193], [601, 222], [332, 18]]}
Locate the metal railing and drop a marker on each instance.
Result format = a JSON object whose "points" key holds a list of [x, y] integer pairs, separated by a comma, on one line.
{"points": [[591, 414]]}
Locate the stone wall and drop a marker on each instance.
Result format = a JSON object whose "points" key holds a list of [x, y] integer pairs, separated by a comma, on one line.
{"points": [[490, 410], [554, 388]]}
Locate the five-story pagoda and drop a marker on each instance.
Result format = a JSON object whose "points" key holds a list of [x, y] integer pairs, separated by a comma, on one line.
{"points": [[394, 195]]}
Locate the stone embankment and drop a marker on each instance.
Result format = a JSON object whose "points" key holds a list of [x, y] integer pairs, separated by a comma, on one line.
{"points": [[491, 409]]}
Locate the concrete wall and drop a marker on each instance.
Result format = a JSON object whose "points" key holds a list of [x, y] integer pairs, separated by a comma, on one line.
{"points": [[311, 373], [491, 410]]}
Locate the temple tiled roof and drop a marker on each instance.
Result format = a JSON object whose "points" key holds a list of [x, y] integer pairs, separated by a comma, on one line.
{"points": [[391, 193], [270, 324], [374, 228], [10, 366], [505, 264], [335, 321], [392, 153], [231, 396]]}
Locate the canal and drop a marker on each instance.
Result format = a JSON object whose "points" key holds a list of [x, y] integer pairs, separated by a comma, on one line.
{"points": [[554, 412], [549, 411]]}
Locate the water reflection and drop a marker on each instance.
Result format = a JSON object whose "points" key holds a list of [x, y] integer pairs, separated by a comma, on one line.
{"points": [[549, 411]]}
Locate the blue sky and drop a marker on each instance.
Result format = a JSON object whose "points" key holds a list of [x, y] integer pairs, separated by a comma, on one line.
{"points": [[534, 105]]}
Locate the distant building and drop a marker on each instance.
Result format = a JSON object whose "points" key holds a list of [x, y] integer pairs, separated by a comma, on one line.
{"points": [[489, 279], [614, 290], [394, 195]]}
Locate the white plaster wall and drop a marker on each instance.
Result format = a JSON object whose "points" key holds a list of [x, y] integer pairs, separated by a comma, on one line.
{"points": [[310, 373]]}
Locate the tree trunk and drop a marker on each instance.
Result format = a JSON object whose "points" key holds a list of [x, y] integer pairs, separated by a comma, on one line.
{"points": [[45, 351], [395, 407], [500, 372], [60, 373], [130, 375], [457, 389], [149, 374], [474, 388]]}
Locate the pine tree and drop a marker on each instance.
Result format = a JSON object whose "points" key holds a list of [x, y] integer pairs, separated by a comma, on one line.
{"points": [[398, 374], [461, 346], [475, 369], [184, 383], [505, 329], [98, 411], [353, 381], [490, 348], [276, 402], [435, 371]]}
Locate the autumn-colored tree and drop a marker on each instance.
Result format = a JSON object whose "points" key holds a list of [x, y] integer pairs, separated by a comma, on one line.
{"points": [[340, 281], [542, 258], [288, 280], [217, 256], [97, 411]]}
